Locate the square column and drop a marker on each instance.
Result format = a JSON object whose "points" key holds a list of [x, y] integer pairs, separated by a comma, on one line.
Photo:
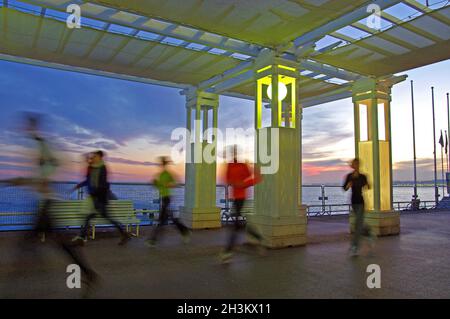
{"points": [[200, 210], [371, 99], [279, 214]]}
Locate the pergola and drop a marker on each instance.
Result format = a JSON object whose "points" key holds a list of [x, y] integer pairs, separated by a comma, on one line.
{"points": [[322, 50]]}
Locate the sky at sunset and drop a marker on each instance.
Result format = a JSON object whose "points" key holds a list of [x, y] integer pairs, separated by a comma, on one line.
{"points": [[133, 123]]}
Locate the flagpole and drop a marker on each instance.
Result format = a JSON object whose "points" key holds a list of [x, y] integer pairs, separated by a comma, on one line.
{"points": [[448, 139], [436, 190], [446, 149], [414, 142], [448, 125]]}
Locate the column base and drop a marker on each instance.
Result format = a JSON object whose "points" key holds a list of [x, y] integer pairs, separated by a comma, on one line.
{"points": [[382, 223], [280, 232], [201, 218]]}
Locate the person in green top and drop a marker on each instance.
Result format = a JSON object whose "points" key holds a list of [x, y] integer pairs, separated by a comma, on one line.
{"points": [[164, 183]]}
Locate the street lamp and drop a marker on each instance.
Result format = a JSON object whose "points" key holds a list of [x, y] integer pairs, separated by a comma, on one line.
{"points": [[284, 101], [282, 91]]}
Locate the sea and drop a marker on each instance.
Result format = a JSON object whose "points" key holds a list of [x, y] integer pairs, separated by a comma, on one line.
{"points": [[14, 200]]}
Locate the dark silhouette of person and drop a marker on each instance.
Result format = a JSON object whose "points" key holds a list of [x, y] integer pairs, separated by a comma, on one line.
{"points": [[99, 191], [356, 181]]}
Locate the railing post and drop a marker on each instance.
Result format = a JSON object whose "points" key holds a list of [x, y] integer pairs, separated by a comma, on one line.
{"points": [[323, 198], [227, 199], [80, 193]]}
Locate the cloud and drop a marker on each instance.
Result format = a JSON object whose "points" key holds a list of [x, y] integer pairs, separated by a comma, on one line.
{"points": [[14, 159], [404, 170], [103, 145], [7, 166], [86, 106], [130, 162], [324, 171]]}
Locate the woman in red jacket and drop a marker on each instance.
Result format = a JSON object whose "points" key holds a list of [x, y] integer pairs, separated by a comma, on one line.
{"points": [[239, 176]]}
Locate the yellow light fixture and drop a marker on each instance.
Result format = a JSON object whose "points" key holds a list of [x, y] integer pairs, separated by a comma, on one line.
{"points": [[282, 91]]}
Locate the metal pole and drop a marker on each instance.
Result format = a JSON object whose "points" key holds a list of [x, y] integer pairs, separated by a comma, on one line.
{"points": [[227, 199], [436, 190], [446, 151], [448, 137], [414, 141], [448, 124], [442, 169], [323, 198]]}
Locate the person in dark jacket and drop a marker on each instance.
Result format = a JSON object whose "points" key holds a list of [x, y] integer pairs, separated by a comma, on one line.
{"points": [[356, 181], [99, 191]]}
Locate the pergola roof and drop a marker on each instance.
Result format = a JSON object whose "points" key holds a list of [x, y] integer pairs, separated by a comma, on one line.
{"points": [[421, 41], [191, 42]]}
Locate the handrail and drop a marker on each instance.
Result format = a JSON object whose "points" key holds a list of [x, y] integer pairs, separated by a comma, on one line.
{"points": [[147, 201]]}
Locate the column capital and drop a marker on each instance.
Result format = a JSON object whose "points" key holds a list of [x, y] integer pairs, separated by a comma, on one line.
{"points": [[373, 88], [195, 98], [369, 88], [268, 62]]}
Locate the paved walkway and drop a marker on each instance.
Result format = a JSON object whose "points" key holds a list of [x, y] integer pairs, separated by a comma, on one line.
{"points": [[415, 264]]}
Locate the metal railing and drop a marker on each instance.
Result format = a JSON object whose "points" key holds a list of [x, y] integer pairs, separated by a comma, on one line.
{"points": [[344, 209], [18, 205]]}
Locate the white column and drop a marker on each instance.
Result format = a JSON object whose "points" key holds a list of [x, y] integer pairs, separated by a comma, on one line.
{"points": [[375, 154], [200, 210], [278, 212]]}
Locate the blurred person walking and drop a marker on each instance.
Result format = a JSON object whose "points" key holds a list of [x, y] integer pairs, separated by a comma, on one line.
{"points": [[44, 224], [356, 181], [99, 192], [164, 183], [240, 177]]}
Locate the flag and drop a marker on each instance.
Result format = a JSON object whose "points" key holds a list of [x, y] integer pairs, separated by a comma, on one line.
{"points": [[446, 142], [441, 140]]}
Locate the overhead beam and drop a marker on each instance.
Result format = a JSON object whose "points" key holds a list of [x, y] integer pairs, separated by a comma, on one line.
{"points": [[362, 44], [329, 70], [228, 74], [394, 79], [396, 21], [122, 45], [424, 9], [38, 29], [326, 99], [345, 91], [328, 48], [341, 22], [383, 35], [241, 79], [142, 54], [417, 6], [227, 80], [139, 24], [63, 67]]}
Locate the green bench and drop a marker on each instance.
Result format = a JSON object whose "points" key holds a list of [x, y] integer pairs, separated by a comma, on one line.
{"points": [[73, 213]]}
